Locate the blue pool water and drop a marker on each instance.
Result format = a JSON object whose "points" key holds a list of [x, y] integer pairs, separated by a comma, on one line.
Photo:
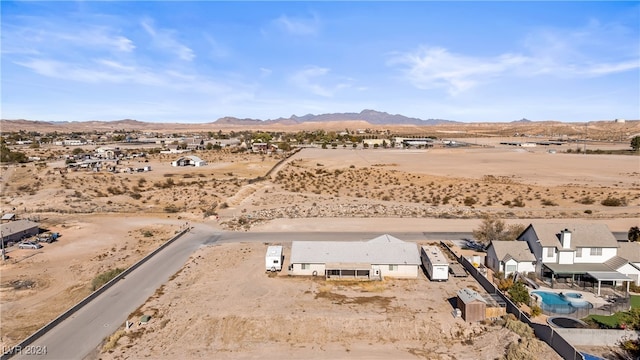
{"points": [[559, 304]]}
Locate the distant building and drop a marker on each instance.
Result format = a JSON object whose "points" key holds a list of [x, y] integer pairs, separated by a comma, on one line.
{"points": [[15, 231], [189, 161]]}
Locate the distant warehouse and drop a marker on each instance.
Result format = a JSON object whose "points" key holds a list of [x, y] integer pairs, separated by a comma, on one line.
{"points": [[15, 231], [384, 256]]}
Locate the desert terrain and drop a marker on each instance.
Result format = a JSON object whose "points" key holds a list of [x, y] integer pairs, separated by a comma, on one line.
{"points": [[385, 190], [251, 313]]}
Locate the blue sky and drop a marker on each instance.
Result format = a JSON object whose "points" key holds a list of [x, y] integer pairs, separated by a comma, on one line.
{"points": [[198, 61]]}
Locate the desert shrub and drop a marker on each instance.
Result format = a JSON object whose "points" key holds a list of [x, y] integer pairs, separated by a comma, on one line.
{"points": [[469, 201], [505, 284], [111, 343], [588, 211], [147, 233], [104, 278], [171, 208], [114, 190], [535, 310], [586, 200], [518, 327], [613, 201], [547, 202], [524, 349], [135, 195], [518, 202]]}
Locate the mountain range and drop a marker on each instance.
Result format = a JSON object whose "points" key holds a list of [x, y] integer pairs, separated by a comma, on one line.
{"points": [[371, 116]]}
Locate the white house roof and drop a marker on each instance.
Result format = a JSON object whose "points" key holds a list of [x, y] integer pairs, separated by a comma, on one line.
{"points": [[517, 250], [17, 226], [630, 251], [582, 235], [467, 296], [384, 249]]}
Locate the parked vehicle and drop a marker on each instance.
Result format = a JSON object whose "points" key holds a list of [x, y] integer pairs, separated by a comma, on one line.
{"points": [[273, 258], [47, 237], [29, 245]]}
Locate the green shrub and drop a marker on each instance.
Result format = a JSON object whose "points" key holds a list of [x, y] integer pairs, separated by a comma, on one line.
{"points": [[104, 278]]}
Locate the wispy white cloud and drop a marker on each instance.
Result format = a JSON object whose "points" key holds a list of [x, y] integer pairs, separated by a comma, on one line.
{"points": [[47, 37], [298, 25], [165, 39], [579, 53], [435, 67], [315, 80]]}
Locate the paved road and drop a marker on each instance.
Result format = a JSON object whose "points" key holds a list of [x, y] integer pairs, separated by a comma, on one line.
{"points": [[77, 336]]}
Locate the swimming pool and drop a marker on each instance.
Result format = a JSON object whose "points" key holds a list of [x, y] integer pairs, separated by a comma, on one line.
{"points": [[561, 303]]}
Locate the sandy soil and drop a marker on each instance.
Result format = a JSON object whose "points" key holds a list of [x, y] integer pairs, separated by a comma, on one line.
{"points": [[342, 190], [253, 313]]}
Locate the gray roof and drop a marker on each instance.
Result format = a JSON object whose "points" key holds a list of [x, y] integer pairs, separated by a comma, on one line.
{"points": [[383, 250], [517, 250], [467, 296], [17, 226], [608, 276], [616, 262], [579, 268], [629, 250], [582, 235], [8, 216]]}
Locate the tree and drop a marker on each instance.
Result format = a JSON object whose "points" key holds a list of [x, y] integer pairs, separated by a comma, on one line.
{"points": [[635, 143], [519, 294], [493, 228], [634, 233]]}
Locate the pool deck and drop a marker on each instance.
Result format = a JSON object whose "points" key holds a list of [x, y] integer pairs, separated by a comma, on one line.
{"points": [[597, 301]]}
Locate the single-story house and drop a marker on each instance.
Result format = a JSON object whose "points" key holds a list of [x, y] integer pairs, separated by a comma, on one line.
{"points": [[508, 257], [190, 160], [383, 256], [17, 230]]}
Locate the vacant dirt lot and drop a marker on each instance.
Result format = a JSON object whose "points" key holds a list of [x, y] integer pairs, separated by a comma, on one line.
{"points": [[223, 305]]}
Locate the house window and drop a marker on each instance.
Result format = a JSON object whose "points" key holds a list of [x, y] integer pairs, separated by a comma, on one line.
{"points": [[304, 266], [578, 252], [511, 268], [551, 251], [393, 267], [596, 251]]}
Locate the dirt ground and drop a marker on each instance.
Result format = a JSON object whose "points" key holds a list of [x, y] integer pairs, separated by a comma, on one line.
{"points": [[253, 313], [440, 189]]}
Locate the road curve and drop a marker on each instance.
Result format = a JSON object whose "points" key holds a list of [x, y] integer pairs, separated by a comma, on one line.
{"points": [[77, 336]]}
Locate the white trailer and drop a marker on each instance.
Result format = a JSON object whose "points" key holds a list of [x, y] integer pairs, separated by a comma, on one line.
{"points": [[273, 259], [435, 263]]}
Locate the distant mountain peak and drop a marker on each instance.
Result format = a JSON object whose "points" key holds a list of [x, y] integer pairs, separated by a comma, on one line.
{"points": [[371, 116]]}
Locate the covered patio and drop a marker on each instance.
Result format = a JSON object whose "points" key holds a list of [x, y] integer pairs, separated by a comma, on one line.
{"points": [[612, 276], [348, 271], [582, 276]]}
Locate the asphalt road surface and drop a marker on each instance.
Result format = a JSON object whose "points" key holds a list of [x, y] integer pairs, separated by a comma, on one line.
{"points": [[80, 334]]}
